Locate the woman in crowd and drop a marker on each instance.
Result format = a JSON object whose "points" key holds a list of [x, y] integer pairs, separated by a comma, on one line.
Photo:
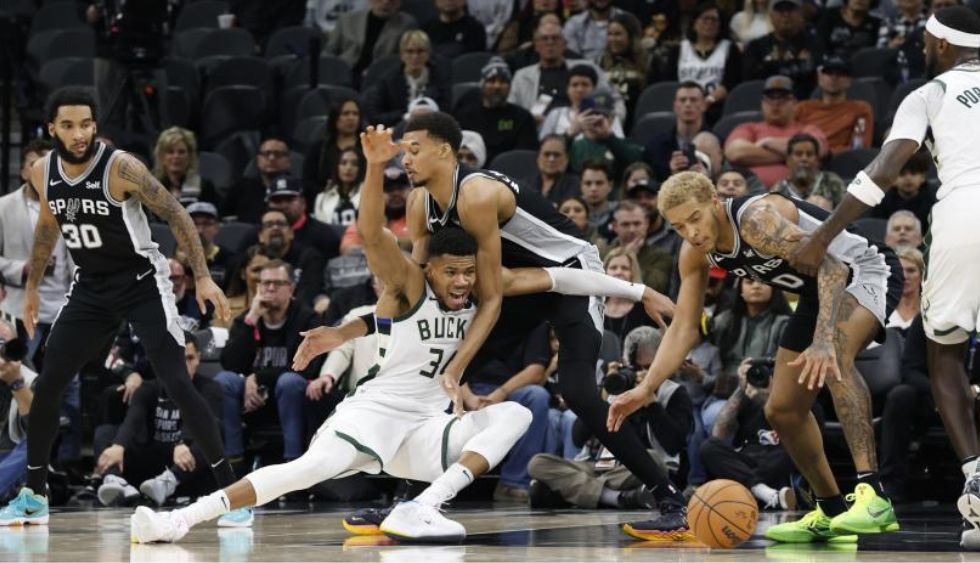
{"points": [[912, 265], [417, 77], [637, 173], [623, 315], [337, 204], [553, 180], [571, 120], [175, 165], [344, 124], [575, 208], [624, 60]]}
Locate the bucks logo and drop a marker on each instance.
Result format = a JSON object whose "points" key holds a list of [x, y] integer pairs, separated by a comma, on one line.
{"points": [[71, 210]]}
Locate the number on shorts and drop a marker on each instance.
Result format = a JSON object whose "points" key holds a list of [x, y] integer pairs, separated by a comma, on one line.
{"points": [[78, 236]]}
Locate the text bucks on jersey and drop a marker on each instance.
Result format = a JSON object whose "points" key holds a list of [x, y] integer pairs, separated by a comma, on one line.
{"points": [[413, 352]]}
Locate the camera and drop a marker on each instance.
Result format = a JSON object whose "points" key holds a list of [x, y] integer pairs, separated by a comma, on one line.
{"points": [[13, 350], [136, 29], [620, 381], [760, 372]]}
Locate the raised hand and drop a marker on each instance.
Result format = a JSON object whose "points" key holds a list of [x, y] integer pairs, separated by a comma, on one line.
{"points": [[378, 146]]}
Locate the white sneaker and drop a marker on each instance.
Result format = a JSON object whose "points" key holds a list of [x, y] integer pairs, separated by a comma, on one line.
{"points": [[147, 526], [411, 521], [787, 498], [970, 539], [115, 490], [159, 488], [969, 501]]}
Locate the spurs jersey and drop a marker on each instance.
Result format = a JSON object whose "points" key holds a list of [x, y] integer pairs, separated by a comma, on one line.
{"points": [[104, 236], [413, 350], [869, 262], [945, 114], [537, 234]]}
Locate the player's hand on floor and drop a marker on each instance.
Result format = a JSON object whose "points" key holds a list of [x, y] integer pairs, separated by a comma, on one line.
{"points": [[625, 405], [658, 306], [319, 340], [819, 361], [209, 292], [183, 458]]}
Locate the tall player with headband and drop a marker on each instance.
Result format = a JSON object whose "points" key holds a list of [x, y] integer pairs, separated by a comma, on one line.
{"points": [[944, 114]]}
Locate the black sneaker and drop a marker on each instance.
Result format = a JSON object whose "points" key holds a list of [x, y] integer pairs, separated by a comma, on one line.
{"points": [[540, 495], [670, 526], [366, 522], [640, 497]]}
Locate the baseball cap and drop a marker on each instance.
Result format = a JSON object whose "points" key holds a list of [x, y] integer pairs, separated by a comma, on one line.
{"points": [[396, 179], [604, 101], [284, 186], [835, 63], [643, 185], [785, 4], [777, 83], [202, 208], [496, 67]]}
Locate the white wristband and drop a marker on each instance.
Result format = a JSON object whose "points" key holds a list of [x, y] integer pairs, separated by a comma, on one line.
{"points": [[866, 190]]}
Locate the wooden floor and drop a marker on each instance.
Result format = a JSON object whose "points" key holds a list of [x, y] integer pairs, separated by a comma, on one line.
{"points": [[496, 533]]}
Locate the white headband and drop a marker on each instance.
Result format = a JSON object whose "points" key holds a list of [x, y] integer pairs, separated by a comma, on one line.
{"points": [[953, 36]]}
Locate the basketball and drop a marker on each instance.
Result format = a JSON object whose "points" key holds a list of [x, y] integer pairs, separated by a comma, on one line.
{"points": [[722, 513]]}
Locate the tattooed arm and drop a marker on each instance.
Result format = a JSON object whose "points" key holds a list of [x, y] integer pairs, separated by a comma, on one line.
{"points": [[46, 234], [727, 422]]}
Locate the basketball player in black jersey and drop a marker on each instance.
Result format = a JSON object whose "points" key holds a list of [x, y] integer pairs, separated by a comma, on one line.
{"points": [[93, 196], [840, 312]]}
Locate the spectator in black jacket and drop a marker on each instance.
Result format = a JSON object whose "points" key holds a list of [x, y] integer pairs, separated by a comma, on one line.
{"points": [[246, 199], [417, 77], [455, 32], [150, 447], [278, 239], [222, 262], [258, 355]]}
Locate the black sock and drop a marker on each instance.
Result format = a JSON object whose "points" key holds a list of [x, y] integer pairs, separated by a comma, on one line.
{"points": [[668, 493], [37, 479], [874, 481], [832, 506], [223, 473]]}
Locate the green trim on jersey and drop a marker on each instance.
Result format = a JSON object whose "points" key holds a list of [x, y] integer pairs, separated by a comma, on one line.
{"points": [[445, 443], [415, 308], [946, 332], [360, 447], [371, 374]]}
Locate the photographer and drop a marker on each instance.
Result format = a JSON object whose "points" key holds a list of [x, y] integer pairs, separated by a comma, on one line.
{"points": [[596, 479], [15, 404], [755, 457]]}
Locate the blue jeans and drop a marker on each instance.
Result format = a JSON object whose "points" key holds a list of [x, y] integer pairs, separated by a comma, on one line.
{"points": [[561, 428], [513, 472], [704, 422], [13, 469], [289, 395]]}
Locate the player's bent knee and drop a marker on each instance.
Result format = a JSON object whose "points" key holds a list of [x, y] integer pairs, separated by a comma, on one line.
{"points": [[782, 415]]}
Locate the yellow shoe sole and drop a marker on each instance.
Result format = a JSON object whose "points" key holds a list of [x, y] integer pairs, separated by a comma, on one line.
{"points": [[658, 536]]}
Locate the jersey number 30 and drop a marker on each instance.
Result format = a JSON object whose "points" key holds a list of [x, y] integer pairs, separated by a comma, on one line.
{"points": [[78, 236], [437, 365]]}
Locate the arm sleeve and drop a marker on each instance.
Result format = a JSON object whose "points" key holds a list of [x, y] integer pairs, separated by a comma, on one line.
{"points": [[673, 424], [912, 118]]}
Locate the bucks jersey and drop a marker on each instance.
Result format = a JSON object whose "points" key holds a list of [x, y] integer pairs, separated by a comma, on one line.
{"points": [[104, 236], [537, 234], [413, 351], [945, 115]]}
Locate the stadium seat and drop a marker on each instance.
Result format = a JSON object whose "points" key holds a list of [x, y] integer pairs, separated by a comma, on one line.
{"points": [[378, 69], [236, 236], [230, 109], [331, 71], [727, 123], [179, 107], [870, 61], [747, 96], [516, 163], [462, 90], [848, 163], [55, 17], [18, 9], [873, 227], [881, 366], [467, 67], [210, 342], [292, 42], [238, 150], [308, 131], [200, 14], [164, 237], [58, 44], [421, 10], [68, 71], [199, 43], [241, 71], [183, 73], [216, 168], [651, 124], [656, 97]]}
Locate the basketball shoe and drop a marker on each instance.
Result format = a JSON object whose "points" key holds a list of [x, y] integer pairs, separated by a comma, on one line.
{"points": [[415, 522], [813, 527], [160, 488], [367, 521], [25, 508], [869, 513], [670, 526], [969, 506], [147, 526], [116, 491], [238, 518]]}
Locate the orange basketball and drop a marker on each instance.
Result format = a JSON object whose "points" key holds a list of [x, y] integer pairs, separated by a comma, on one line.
{"points": [[722, 513]]}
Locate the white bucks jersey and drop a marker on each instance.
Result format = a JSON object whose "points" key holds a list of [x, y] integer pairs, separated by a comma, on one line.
{"points": [[944, 114], [413, 351]]}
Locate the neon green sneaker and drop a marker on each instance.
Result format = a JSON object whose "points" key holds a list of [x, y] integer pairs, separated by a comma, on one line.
{"points": [[869, 513], [813, 527]]}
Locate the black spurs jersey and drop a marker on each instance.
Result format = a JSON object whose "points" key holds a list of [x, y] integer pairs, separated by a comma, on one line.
{"points": [[536, 235], [862, 255], [104, 236]]}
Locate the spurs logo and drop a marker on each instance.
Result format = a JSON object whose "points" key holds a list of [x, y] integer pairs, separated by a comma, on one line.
{"points": [[71, 209]]}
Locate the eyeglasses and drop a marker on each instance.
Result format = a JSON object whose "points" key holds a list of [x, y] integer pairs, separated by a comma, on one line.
{"points": [[274, 283], [274, 224], [272, 155]]}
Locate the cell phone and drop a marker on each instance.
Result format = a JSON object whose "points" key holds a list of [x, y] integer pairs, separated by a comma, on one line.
{"points": [[587, 103], [688, 150]]}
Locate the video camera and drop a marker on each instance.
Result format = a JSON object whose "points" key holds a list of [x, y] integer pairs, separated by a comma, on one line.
{"points": [[13, 350], [136, 29]]}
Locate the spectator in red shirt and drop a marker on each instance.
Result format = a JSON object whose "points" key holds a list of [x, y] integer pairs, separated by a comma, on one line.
{"points": [[848, 124]]}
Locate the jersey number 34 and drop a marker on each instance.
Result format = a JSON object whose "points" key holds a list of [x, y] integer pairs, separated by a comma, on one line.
{"points": [[437, 365]]}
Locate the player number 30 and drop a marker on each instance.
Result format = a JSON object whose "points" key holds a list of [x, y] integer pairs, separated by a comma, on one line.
{"points": [[78, 236]]}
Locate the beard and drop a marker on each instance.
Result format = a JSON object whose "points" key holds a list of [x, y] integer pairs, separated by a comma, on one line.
{"points": [[277, 244], [69, 157]]}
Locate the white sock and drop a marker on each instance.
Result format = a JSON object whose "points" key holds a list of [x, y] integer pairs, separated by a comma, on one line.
{"points": [[970, 467], [569, 281], [765, 493], [205, 508], [447, 486]]}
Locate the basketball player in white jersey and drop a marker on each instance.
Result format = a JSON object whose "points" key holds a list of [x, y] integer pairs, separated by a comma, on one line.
{"points": [[945, 115], [395, 421]]}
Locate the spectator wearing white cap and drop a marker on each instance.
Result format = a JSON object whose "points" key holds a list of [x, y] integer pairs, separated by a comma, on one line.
{"points": [[472, 150], [221, 261], [504, 126], [416, 77]]}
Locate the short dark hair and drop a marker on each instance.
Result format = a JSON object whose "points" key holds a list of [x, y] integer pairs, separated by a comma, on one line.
{"points": [[452, 241], [70, 96], [960, 18], [586, 70], [600, 165], [554, 137], [189, 338], [277, 263], [690, 84], [918, 163], [37, 146], [802, 138], [439, 125], [272, 136]]}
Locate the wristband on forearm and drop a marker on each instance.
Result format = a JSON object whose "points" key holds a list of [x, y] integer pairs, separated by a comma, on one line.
{"points": [[369, 322], [866, 190]]}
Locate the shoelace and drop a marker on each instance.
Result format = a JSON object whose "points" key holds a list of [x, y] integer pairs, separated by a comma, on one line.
{"points": [[810, 519], [859, 495]]}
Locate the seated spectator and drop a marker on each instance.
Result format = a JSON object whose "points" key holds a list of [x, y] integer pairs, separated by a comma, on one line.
{"points": [[911, 193], [517, 36], [848, 124], [586, 31], [245, 284], [417, 77], [222, 262], [751, 329], [731, 183], [625, 61], [621, 316], [246, 200], [175, 165], [903, 229], [597, 184], [472, 150], [325, 14], [150, 447], [575, 208], [673, 151], [599, 480], [751, 23], [894, 30], [344, 123], [636, 174], [455, 32], [762, 146], [790, 50], [190, 317], [599, 139], [630, 225], [503, 125], [553, 179], [286, 195], [277, 240], [396, 189], [494, 15], [257, 360], [661, 36], [848, 28], [366, 35], [16, 384], [805, 180], [337, 204], [572, 119], [744, 448], [707, 58], [913, 266]]}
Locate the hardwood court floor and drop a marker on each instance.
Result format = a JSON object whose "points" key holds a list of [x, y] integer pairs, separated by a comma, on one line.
{"points": [[500, 533]]}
